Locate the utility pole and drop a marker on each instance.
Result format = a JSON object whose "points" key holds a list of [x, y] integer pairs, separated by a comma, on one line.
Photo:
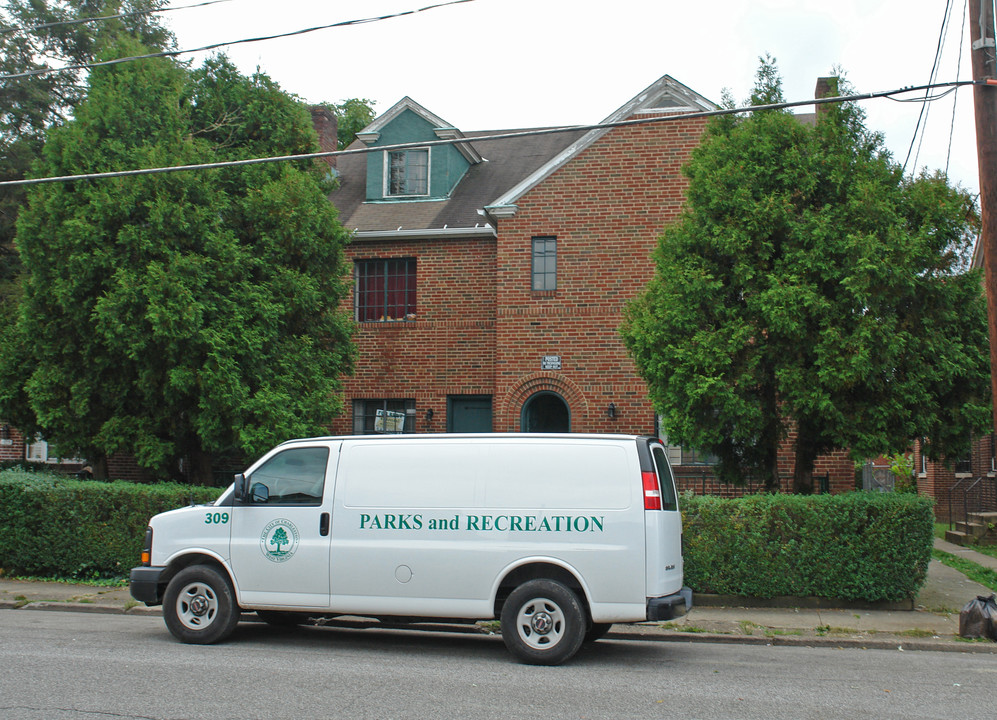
{"points": [[981, 32]]}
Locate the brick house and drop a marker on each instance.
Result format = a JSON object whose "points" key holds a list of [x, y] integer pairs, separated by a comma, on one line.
{"points": [[490, 276]]}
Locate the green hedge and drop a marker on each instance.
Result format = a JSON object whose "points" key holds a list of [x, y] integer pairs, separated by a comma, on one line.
{"points": [[854, 546], [53, 526]]}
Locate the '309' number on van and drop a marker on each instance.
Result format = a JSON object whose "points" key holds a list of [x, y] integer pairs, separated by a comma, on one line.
{"points": [[215, 518]]}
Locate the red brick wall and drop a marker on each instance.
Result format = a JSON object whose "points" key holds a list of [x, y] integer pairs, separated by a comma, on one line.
{"points": [[943, 484], [14, 451], [606, 208], [448, 350]]}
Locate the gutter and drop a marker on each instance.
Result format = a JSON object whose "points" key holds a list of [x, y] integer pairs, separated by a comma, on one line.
{"points": [[485, 230]]}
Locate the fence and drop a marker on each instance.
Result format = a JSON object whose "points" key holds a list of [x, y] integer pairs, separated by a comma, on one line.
{"points": [[705, 483], [878, 478]]}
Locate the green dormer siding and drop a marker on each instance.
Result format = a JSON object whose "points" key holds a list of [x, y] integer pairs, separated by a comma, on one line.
{"points": [[446, 165]]}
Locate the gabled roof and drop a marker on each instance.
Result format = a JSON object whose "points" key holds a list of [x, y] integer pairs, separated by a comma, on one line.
{"points": [[505, 163], [506, 169], [666, 95], [444, 130]]}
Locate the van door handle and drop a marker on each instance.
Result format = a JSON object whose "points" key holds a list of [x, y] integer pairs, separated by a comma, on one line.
{"points": [[323, 524]]}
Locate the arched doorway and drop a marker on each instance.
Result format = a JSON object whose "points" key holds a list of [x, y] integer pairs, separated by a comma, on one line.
{"points": [[545, 412]]}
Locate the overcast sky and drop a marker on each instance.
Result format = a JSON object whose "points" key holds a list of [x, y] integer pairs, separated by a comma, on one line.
{"points": [[497, 64]]}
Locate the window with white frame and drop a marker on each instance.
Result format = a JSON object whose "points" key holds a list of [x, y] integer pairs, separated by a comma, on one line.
{"points": [[407, 173]]}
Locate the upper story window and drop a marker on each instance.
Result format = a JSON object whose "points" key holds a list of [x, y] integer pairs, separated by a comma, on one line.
{"points": [[407, 173], [384, 290], [544, 266]]}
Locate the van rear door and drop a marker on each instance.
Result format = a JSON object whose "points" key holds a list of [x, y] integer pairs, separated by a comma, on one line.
{"points": [[662, 521]]}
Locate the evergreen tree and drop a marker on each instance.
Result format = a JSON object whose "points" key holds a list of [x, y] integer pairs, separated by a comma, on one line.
{"points": [[809, 286], [46, 34], [177, 316]]}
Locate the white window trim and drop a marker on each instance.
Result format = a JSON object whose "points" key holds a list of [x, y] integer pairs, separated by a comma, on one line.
{"points": [[386, 174]]}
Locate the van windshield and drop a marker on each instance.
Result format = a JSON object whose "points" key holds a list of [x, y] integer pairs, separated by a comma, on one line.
{"points": [[665, 480]]}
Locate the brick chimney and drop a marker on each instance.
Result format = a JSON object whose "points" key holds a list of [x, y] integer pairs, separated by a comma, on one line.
{"points": [[326, 126], [826, 87]]}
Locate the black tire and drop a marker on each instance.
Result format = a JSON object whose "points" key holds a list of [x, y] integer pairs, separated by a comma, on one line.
{"points": [[597, 631], [281, 618], [543, 623], [199, 606]]}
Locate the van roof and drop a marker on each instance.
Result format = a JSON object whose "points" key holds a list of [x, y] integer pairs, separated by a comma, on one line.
{"points": [[467, 436]]}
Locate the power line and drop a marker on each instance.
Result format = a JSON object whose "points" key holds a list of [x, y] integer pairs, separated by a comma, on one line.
{"points": [[81, 21], [500, 136], [923, 115], [215, 46], [958, 67]]}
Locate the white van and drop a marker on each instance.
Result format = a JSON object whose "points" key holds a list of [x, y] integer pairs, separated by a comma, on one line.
{"points": [[558, 536]]}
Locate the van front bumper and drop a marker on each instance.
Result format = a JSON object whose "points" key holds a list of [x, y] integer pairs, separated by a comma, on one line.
{"points": [[144, 584], [670, 606]]}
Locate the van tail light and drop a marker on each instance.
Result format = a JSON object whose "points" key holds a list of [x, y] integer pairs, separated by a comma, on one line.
{"points": [[652, 492]]}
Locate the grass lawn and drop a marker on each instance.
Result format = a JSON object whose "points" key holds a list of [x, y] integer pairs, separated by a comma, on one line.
{"points": [[976, 573], [990, 550]]}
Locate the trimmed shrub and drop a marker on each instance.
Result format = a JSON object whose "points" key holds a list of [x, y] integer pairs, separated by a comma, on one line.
{"points": [[854, 546], [54, 526]]}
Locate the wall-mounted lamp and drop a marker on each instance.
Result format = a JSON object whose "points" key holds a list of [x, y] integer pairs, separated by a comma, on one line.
{"points": [[611, 411], [5, 432], [429, 415]]}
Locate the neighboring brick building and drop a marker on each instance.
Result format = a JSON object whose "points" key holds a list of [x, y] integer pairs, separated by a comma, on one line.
{"points": [[490, 276]]}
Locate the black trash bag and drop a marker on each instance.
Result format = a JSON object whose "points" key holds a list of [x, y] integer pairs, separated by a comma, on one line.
{"points": [[979, 618]]}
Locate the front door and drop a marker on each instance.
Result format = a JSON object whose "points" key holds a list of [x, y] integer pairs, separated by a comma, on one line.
{"points": [[280, 533], [545, 412]]}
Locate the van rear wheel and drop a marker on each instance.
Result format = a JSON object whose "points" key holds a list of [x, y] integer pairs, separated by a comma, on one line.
{"points": [[543, 623], [199, 606]]}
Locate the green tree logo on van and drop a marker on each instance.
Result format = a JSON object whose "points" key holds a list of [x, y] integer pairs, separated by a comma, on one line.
{"points": [[279, 540]]}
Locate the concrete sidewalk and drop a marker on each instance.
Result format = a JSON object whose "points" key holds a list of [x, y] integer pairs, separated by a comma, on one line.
{"points": [[933, 623]]}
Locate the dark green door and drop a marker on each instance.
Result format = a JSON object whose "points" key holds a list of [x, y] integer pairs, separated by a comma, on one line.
{"points": [[469, 414], [546, 412]]}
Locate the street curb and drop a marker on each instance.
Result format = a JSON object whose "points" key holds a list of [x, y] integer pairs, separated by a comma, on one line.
{"points": [[644, 634], [895, 643], [53, 605]]}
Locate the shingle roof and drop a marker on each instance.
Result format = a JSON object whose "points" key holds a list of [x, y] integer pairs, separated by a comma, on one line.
{"points": [[510, 168], [506, 162]]}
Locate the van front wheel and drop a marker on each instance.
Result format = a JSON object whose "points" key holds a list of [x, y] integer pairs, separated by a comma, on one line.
{"points": [[543, 623], [199, 606]]}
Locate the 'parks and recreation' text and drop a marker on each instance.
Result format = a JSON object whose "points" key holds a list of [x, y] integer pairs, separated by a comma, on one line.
{"points": [[494, 523]]}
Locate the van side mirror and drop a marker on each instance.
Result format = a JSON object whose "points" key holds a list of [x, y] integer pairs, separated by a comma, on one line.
{"points": [[259, 493], [240, 487]]}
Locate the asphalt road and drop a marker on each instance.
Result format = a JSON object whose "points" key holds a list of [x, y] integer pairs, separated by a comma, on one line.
{"points": [[73, 666]]}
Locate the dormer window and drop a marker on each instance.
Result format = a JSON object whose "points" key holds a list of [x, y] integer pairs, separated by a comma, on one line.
{"points": [[407, 172]]}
